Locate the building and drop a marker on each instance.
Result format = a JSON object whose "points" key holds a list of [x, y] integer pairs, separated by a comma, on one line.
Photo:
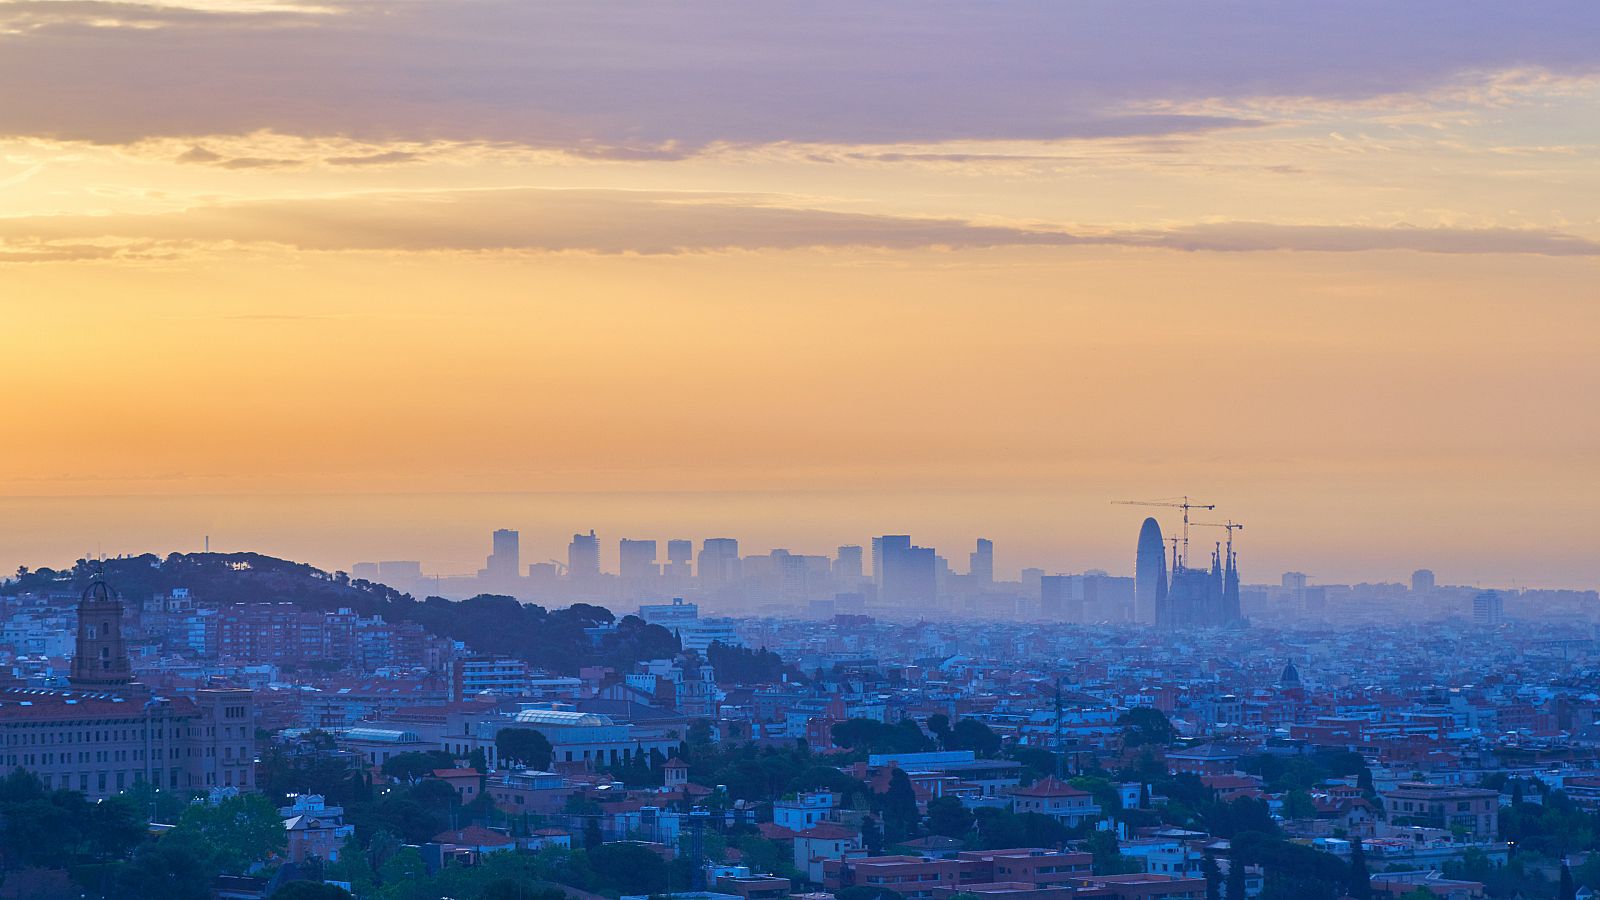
{"points": [[847, 562], [680, 559], [315, 829], [505, 562], [1473, 812], [101, 657], [719, 561], [1422, 581], [683, 619], [583, 557], [980, 563], [907, 575], [472, 675], [1058, 602], [109, 733], [1150, 573], [1488, 609], [1057, 799], [636, 560]]}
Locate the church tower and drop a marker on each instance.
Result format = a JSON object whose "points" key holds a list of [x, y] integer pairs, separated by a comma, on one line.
{"points": [[102, 658]]}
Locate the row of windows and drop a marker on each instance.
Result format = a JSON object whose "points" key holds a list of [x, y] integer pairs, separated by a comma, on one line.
{"points": [[94, 737]]}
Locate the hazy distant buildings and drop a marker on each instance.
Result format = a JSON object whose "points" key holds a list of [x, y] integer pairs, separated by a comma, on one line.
{"points": [[1488, 609], [583, 557], [1059, 599], [1149, 573], [981, 562], [719, 561], [907, 575], [848, 563], [400, 571], [680, 559], [1422, 581], [636, 560], [1107, 598], [505, 560]]}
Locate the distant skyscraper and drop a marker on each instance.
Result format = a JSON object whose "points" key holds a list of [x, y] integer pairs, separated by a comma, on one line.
{"points": [[1488, 609], [981, 561], [848, 562], [583, 556], [637, 559], [680, 558], [505, 563], [719, 561], [1058, 601], [1295, 581], [907, 575], [1422, 581], [1149, 574]]}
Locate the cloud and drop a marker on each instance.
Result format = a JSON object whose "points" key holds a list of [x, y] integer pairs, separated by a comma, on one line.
{"points": [[654, 222], [386, 158], [635, 80]]}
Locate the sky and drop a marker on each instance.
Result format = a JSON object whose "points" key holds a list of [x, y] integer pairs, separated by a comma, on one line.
{"points": [[348, 280]]}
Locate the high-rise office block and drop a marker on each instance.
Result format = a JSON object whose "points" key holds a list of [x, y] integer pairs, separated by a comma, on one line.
{"points": [[1488, 609], [506, 561], [583, 556], [637, 559], [907, 575], [719, 561], [680, 559], [1059, 599], [848, 562], [1149, 573], [1422, 581], [981, 561]]}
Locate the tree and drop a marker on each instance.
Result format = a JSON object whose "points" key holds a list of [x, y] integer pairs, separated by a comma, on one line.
{"points": [[592, 837], [947, 816], [1297, 805], [1107, 856], [239, 831], [970, 734], [1568, 890], [1360, 880], [629, 868], [524, 748], [1236, 876], [1213, 876], [939, 724], [900, 808], [417, 765], [1145, 726], [871, 836], [165, 870], [513, 889], [310, 890]]}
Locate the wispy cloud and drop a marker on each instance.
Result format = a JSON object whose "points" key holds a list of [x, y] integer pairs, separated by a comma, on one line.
{"points": [[644, 222]]}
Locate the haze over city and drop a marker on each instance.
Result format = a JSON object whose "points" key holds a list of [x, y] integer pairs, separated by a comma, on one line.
{"points": [[936, 450]]}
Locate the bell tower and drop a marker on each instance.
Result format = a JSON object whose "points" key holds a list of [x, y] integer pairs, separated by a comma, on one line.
{"points": [[102, 658]]}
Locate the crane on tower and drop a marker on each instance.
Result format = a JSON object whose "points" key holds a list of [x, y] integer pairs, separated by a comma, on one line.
{"points": [[1231, 525], [1173, 503]]}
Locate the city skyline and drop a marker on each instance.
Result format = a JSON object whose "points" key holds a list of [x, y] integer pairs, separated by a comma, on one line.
{"points": [[1334, 263]]}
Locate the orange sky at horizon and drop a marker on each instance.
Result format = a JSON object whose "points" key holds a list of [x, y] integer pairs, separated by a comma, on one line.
{"points": [[1362, 321]]}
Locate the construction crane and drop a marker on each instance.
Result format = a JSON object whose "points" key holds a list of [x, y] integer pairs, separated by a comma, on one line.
{"points": [[1231, 525], [1173, 503]]}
